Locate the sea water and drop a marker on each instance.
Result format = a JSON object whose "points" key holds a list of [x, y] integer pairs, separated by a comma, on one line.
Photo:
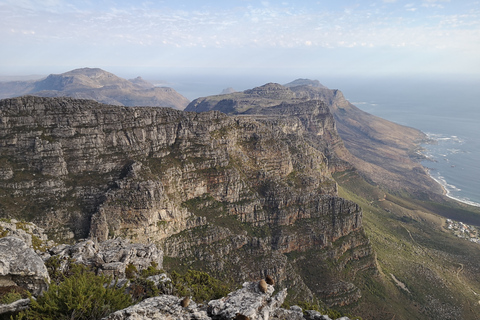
{"points": [[446, 108]]}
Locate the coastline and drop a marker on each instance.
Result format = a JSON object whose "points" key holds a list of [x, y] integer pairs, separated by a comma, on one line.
{"points": [[440, 180], [443, 184]]}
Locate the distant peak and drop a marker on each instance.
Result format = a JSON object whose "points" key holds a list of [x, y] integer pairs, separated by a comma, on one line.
{"points": [[228, 90], [139, 81], [305, 82]]}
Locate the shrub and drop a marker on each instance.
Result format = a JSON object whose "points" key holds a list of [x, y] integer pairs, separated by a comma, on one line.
{"points": [[152, 270], [10, 297], [130, 271], [82, 295], [141, 289], [200, 285]]}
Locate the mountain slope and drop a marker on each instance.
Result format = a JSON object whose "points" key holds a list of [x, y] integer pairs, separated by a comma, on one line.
{"points": [[385, 152], [99, 85], [237, 196]]}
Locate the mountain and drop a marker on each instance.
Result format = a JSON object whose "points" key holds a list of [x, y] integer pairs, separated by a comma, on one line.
{"points": [[270, 189], [240, 197], [383, 151], [99, 85]]}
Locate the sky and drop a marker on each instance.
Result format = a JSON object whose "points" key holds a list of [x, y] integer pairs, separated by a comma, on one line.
{"points": [[382, 37]]}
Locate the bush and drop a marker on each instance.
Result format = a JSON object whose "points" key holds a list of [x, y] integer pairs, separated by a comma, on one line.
{"points": [[152, 270], [10, 297], [82, 295], [200, 285]]}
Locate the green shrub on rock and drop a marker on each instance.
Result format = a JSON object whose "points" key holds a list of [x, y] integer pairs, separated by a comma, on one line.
{"points": [[82, 295], [200, 285]]}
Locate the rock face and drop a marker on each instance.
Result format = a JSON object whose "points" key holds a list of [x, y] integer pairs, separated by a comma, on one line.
{"points": [[21, 266], [98, 85], [110, 257], [250, 301], [240, 196], [383, 151], [245, 303]]}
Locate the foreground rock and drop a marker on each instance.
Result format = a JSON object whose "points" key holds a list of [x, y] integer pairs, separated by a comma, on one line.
{"points": [[21, 266], [14, 307], [249, 302], [110, 257], [161, 307]]}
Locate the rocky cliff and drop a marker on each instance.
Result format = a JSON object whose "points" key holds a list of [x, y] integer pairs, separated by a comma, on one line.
{"points": [[98, 85], [240, 196], [385, 152]]}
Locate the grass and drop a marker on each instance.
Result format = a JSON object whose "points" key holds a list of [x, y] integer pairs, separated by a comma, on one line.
{"points": [[438, 269]]}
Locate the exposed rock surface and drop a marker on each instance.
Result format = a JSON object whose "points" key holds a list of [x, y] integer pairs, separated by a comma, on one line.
{"points": [[14, 307], [384, 151], [110, 257], [246, 303], [21, 266], [249, 301], [98, 85], [242, 197], [33, 235]]}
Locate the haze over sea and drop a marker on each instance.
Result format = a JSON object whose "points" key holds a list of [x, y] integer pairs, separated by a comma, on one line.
{"points": [[447, 109]]}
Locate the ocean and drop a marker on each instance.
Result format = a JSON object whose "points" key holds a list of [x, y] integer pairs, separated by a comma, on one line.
{"points": [[447, 109]]}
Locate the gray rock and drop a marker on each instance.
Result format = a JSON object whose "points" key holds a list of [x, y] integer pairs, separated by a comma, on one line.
{"points": [[21, 266], [161, 307], [23, 230], [315, 315], [110, 257], [248, 301], [292, 314], [14, 307], [159, 278]]}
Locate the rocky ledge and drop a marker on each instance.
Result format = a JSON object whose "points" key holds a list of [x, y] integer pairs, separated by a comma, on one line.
{"points": [[247, 303]]}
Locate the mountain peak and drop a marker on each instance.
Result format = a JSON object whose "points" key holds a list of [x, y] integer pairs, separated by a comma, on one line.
{"points": [[305, 82], [99, 85]]}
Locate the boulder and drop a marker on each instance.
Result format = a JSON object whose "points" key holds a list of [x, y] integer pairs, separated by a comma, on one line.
{"points": [[14, 307], [21, 266], [249, 301], [161, 307]]}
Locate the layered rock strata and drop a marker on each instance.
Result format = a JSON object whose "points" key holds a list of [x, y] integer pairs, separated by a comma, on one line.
{"points": [[240, 196]]}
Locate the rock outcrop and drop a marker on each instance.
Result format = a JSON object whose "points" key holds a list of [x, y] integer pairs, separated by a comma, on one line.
{"points": [[110, 257], [21, 267], [246, 303], [240, 196]]}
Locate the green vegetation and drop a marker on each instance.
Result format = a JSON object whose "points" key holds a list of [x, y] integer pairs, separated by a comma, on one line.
{"points": [[81, 295], [200, 285], [424, 271], [11, 294]]}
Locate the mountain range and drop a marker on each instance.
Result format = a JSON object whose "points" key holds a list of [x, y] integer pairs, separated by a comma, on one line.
{"points": [[98, 85], [290, 180]]}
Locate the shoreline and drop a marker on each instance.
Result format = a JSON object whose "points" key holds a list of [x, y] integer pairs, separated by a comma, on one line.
{"points": [[447, 192]]}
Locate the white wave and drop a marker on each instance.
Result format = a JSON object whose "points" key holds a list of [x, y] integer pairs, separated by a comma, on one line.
{"points": [[448, 188]]}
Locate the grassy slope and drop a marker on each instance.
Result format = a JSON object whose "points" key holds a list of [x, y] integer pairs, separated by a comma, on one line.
{"points": [[439, 272]]}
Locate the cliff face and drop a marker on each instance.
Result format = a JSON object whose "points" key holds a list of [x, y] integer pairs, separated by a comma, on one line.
{"points": [[241, 196], [385, 152]]}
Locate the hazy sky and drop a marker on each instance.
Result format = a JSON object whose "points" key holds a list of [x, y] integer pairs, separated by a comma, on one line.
{"points": [[344, 37]]}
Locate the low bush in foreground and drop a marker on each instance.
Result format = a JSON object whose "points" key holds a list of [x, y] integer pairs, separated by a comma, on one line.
{"points": [[82, 295]]}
